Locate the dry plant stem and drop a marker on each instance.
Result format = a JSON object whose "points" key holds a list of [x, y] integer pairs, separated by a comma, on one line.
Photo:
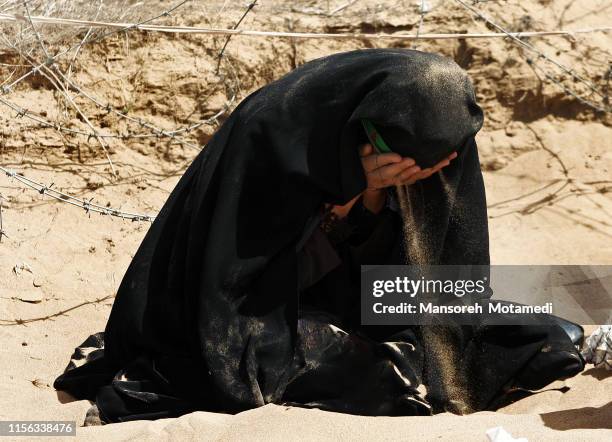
{"points": [[556, 195], [552, 153]]}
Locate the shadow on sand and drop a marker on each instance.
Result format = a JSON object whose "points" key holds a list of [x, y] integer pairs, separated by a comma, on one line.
{"points": [[598, 373], [587, 418]]}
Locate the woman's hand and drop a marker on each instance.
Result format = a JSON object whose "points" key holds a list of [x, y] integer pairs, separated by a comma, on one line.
{"points": [[386, 170], [390, 169]]}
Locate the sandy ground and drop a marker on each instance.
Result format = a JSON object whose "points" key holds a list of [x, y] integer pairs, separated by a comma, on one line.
{"points": [[548, 172]]}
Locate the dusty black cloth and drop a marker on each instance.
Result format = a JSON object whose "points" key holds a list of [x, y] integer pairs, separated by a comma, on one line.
{"points": [[208, 315]]}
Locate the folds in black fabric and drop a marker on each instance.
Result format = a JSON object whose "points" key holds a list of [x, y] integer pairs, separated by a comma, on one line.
{"points": [[209, 314]]}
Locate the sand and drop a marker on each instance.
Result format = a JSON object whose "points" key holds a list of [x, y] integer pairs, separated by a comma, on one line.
{"points": [[74, 258]]}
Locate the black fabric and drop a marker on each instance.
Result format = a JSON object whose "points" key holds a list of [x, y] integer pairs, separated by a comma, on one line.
{"points": [[209, 315]]}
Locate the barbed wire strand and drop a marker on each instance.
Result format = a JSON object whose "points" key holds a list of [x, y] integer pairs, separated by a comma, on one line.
{"points": [[84, 204], [517, 38], [58, 86], [567, 90], [320, 11], [26, 113], [227, 40], [87, 34], [157, 132], [48, 73], [142, 122], [19, 321], [305, 35], [2, 232], [117, 29], [38, 38], [423, 9], [342, 7]]}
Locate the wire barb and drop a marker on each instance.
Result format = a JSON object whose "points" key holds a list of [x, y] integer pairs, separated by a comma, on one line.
{"points": [[516, 38], [122, 27], [227, 40], [2, 231], [87, 205]]}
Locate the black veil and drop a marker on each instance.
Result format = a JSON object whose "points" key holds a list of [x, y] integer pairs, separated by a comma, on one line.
{"points": [[207, 315]]}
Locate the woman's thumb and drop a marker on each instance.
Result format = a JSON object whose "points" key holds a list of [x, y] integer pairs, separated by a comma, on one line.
{"points": [[366, 150]]}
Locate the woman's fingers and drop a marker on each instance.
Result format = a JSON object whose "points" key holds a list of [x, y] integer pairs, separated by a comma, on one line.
{"points": [[387, 175], [445, 162], [376, 161], [384, 170], [425, 173], [392, 170], [408, 176], [440, 165]]}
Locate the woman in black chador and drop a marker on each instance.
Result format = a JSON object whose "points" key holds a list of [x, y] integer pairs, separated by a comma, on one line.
{"points": [[245, 290]]}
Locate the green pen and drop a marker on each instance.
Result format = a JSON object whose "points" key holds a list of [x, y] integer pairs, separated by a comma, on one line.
{"points": [[375, 137]]}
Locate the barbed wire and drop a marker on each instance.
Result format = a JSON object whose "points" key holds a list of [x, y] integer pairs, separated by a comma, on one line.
{"points": [[2, 232], [227, 40], [21, 321], [63, 84], [567, 90], [156, 132], [48, 74], [49, 70], [424, 8], [532, 48], [117, 29], [49, 66], [516, 37], [84, 204], [320, 11], [305, 35], [34, 116]]}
